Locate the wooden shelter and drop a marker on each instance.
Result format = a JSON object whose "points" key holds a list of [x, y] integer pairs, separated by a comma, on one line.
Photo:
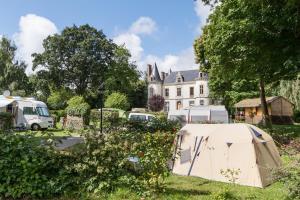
{"points": [[250, 110]]}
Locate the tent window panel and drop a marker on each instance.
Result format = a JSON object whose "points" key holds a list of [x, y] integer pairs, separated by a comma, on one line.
{"points": [[180, 118], [199, 118], [185, 156], [257, 134]]}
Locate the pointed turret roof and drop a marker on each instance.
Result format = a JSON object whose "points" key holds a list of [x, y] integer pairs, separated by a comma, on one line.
{"points": [[156, 75]]}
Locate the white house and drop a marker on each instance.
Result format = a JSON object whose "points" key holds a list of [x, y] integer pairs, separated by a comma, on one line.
{"points": [[180, 88]]}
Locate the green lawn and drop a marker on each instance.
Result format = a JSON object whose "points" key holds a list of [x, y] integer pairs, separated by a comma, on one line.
{"points": [[193, 188]]}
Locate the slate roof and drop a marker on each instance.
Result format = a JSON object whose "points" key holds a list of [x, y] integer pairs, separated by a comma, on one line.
{"points": [[189, 75], [156, 75], [246, 103]]}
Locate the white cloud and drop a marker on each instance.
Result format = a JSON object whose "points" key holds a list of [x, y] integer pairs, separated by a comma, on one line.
{"points": [[202, 12], [132, 42], [185, 60], [144, 25], [33, 30], [131, 38]]}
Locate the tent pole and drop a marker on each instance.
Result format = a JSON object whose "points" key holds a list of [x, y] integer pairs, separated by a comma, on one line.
{"points": [[196, 152]]}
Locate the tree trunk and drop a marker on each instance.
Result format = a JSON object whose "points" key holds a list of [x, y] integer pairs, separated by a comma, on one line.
{"points": [[266, 120]]}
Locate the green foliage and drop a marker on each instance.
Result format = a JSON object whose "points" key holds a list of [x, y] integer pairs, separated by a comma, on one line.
{"points": [[78, 107], [117, 100], [6, 120], [297, 116], [57, 115], [58, 99], [33, 171], [154, 153], [77, 57], [12, 72], [224, 194], [252, 41], [289, 175]]}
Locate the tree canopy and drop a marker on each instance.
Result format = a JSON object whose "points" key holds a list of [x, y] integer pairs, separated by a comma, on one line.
{"points": [[81, 58], [255, 40], [12, 72]]}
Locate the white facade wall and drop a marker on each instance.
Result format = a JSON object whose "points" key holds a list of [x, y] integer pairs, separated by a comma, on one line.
{"points": [[185, 97]]}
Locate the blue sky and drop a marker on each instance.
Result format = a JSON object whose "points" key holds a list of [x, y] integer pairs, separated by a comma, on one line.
{"points": [[159, 31]]}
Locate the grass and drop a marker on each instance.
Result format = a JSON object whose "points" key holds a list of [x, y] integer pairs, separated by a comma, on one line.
{"points": [[194, 188]]}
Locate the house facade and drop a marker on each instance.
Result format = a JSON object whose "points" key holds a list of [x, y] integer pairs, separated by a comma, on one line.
{"points": [[180, 89]]}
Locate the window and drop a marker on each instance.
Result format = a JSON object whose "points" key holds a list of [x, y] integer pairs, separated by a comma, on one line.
{"points": [[201, 102], [191, 91], [29, 111], [178, 92], [151, 92], [200, 75], [191, 103], [43, 111], [178, 80], [167, 92], [201, 89]]}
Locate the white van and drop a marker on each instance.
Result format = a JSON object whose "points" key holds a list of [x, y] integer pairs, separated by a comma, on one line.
{"points": [[27, 112], [140, 117]]}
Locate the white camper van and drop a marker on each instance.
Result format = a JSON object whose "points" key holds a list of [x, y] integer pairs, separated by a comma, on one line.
{"points": [[200, 114], [27, 112]]}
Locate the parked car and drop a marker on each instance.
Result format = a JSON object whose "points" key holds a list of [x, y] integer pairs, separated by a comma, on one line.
{"points": [[140, 117]]}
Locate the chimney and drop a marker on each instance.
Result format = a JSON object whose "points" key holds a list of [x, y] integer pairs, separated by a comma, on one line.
{"points": [[149, 71], [163, 76]]}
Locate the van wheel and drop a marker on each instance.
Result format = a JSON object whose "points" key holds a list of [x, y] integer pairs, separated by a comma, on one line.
{"points": [[35, 127]]}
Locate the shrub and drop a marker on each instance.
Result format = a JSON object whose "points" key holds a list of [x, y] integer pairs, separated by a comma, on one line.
{"points": [[78, 107], [156, 103], [297, 116], [57, 115], [6, 120], [117, 100], [58, 99], [33, 171]]}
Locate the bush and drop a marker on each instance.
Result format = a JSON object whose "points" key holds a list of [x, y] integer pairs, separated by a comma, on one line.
{"points": [[58, 99], [156, 103], [6, 120], [57, 115], [78, 107], [117, 100], [33, 171], [297, 116]]}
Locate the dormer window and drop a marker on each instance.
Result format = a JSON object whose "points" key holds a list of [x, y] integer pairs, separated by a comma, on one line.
{"points": [[179, 78], [200, 74]]}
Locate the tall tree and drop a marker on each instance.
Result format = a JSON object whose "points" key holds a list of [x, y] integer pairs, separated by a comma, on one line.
{"points": [[256, 40], [12, 72], [77, 58]]}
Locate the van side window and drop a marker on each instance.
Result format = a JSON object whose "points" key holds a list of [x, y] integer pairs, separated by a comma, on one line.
{"points": [[29, 111]]}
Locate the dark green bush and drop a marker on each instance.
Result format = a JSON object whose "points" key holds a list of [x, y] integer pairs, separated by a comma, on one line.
{"points": [[78, 107], [297, 116], [57, 115], [6, 120], [32, 171]]}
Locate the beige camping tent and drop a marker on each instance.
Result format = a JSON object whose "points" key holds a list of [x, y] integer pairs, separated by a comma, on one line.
{"points": [[204, 150]]}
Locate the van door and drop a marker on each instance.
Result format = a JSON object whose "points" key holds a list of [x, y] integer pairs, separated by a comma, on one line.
{"points": [[30, 115]]}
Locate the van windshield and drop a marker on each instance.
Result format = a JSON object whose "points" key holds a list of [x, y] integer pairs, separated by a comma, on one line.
{"points": [[43, 111]]}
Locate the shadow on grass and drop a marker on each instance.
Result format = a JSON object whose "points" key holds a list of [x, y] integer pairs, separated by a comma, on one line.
{"points": [[186, 192]]}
